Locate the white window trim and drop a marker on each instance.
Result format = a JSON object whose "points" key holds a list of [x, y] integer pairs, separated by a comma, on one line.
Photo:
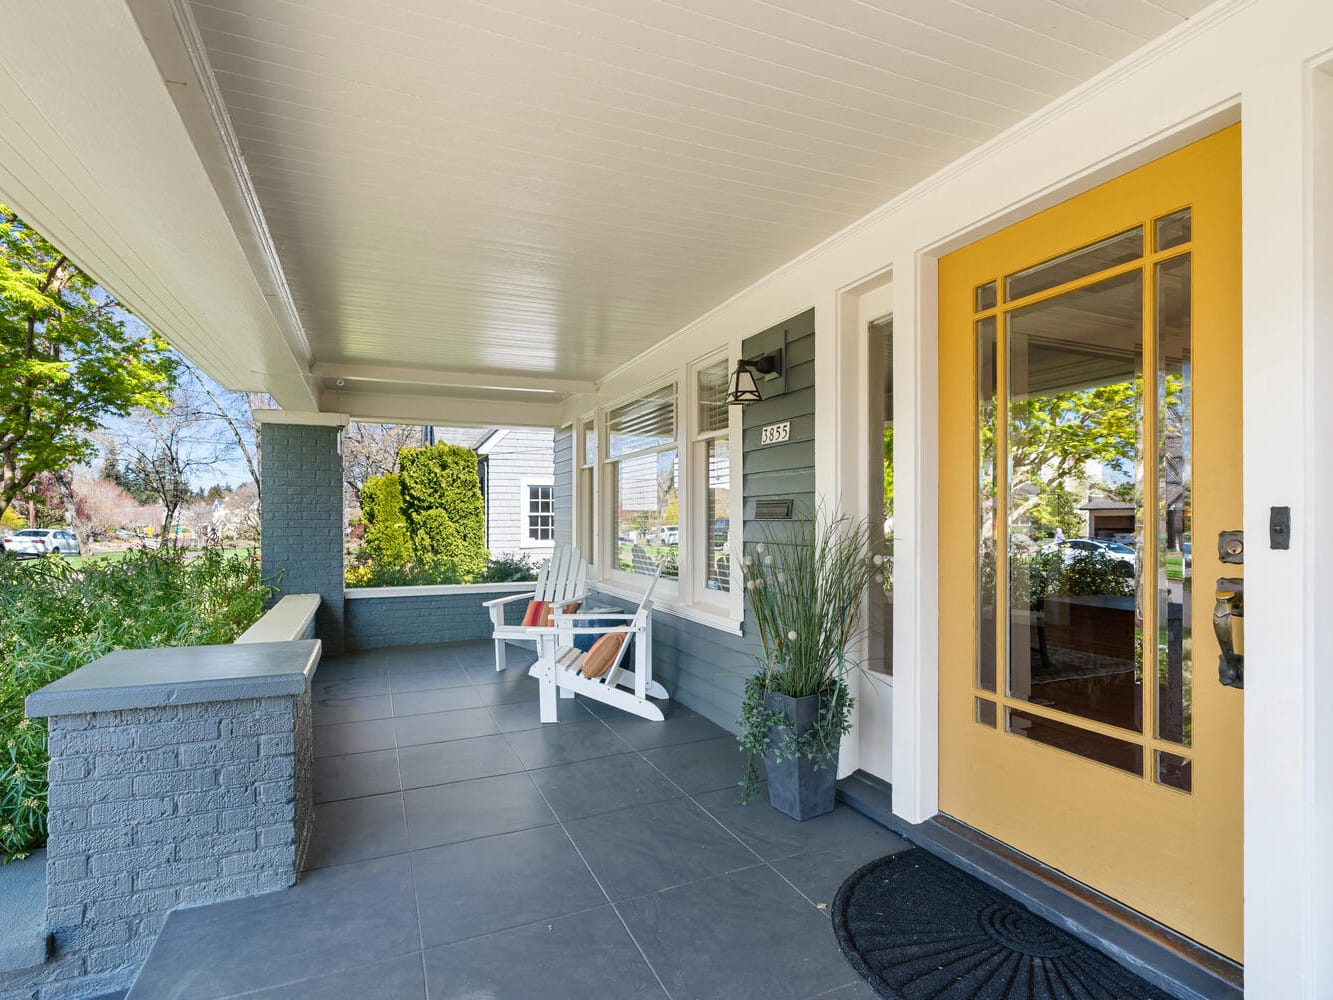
{"points": [[687, 597], [525, 541]]}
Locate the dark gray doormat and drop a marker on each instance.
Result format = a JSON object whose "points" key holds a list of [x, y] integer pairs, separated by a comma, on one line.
{"points": [[916, 928]]}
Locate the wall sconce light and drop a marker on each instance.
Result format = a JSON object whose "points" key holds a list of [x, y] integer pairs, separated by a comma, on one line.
{"points": [[744, 388]]}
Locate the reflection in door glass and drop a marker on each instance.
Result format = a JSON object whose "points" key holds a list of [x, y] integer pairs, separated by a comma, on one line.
{"points": [[1175, 668], [1073, 739], [986, 512], [1075, 379], [1081, 263]]}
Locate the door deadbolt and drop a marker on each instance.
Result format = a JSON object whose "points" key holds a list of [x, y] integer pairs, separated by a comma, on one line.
{"points": [[1231, 546]]}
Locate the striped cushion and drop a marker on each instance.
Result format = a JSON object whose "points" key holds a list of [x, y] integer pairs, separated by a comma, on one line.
{"points": [[540, 612], [598, 660]]}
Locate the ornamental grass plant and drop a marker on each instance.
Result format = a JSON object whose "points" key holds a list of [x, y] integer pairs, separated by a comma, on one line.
{"points": [[805, 584], [56, 618]]}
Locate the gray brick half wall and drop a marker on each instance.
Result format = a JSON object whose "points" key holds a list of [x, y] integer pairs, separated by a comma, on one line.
{"points": [[302, 520], [162, 798], [408, 619]]}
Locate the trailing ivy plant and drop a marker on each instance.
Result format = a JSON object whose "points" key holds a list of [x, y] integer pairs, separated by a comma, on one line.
{"points": [[805, 584]]}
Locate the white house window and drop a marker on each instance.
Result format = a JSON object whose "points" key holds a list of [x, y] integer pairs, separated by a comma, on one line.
{"points": [[713, 475], [541, 513], [644, 478]]}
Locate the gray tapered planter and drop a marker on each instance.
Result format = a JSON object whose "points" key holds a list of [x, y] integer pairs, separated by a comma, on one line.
{"points": [[796, 787]]}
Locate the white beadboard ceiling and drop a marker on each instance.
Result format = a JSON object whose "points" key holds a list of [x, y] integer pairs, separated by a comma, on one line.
{"points": [[546, 188]]}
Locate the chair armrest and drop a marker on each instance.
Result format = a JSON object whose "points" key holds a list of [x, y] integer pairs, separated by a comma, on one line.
{"points": [[585, 630], [497, 602], [595, 615]]}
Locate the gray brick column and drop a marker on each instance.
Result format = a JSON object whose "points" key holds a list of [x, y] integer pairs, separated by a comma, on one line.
{"points": [[302, 519]]}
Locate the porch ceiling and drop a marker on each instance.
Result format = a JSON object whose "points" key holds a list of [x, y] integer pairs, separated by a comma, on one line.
{"points": [[439, 200]]}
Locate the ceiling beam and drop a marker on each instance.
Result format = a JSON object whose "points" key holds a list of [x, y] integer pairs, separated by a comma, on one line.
{"points": [[453, 379], [451, 411]]}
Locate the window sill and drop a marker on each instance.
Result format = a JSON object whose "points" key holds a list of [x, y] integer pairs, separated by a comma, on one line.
{"points": [[711, 617]]}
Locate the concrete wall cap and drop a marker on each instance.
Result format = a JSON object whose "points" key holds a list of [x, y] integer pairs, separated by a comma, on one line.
{"points": [[153, 678], [285, 621]]}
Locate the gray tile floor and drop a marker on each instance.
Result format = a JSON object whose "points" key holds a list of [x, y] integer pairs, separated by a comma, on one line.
{"points": [[463, 850]]}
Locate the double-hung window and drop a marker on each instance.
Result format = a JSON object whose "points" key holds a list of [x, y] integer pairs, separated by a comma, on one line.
{"points": [[585, 459], [541, 513], [643, 483]]}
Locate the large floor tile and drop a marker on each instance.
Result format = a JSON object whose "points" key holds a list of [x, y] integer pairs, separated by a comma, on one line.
{"points": [[401, 978], [452, 699], [820, 872], [512, 687], [775, 835], [354, 737], [516, 717], [441, 727], [457, 760], [333, 711], [334, 919], [372, 826], [482, 807], [428, 679], [516, 664], [350, 686], [652, 847], [565, 744], [356, 774], [747, 934], [703, 766], [469, 889], [588, 955], [680, 726], [588, 787]]}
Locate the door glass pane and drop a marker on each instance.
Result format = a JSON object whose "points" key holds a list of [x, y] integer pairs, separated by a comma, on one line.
{"points": [[985, 296], [1081, 263], [985, 711], [987, 543], [713, 409], [1072, 739], [1075, 413], [1175, 668], [1174, 771], [880, 619], [1172, 230]]}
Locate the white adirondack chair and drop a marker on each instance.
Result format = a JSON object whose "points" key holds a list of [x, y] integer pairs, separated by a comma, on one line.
{"points": [[559, 663], [561, 581]]}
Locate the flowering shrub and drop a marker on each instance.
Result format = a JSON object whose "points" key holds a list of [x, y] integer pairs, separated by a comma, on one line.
{"points": [[55, 618]]}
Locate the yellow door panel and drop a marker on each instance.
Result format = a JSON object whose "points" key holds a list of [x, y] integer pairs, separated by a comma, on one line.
{"points": [[1082, 720]]}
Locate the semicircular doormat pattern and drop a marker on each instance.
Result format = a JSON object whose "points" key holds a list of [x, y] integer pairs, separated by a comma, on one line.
{"points": [[916, 928]]}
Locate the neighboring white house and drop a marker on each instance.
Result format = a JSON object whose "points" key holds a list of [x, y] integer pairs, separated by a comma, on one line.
{"points": [[516, 467]]}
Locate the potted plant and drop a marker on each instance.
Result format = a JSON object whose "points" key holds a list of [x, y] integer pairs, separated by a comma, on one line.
{"points": [[805, 586]]}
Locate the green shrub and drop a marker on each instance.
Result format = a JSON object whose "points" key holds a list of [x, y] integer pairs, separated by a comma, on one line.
{"points": [[55, 618], [510, 569], [386, 540], [442, 503]]}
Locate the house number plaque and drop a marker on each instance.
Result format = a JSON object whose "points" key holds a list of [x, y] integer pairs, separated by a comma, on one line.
{"points": [[775, 433]]}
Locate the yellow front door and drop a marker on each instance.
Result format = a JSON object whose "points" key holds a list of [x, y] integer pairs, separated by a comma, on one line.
{"points": [[1090, 407]]}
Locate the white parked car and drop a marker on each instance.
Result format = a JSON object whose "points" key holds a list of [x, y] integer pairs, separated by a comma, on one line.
{"points": [[42, 542], [1076, 548]]}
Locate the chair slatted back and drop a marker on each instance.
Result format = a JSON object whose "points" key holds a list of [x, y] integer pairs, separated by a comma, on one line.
{"points": [[563, 577], [645, 606]]}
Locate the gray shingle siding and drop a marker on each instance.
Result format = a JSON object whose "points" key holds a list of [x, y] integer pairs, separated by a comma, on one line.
{"points": [[564, 486], [302, 520]]}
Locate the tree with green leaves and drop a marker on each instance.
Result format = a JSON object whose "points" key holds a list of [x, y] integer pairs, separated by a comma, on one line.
{"points": [[442, 503], [67, 361]]}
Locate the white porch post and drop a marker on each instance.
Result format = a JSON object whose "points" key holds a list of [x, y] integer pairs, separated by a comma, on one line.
{"points": [[1288, 424]]}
